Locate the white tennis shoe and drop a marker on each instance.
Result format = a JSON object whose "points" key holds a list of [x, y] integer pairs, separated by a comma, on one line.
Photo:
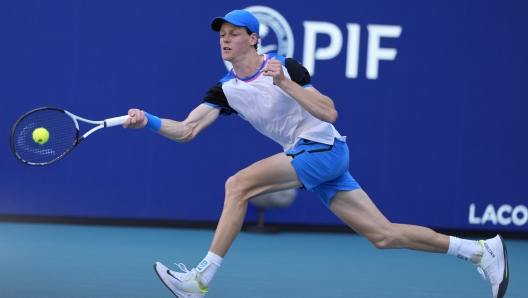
{"points": [[494, 265], [182, 284]]}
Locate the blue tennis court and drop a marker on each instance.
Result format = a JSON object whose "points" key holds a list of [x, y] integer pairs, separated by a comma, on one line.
{"points": [[59, 260]]}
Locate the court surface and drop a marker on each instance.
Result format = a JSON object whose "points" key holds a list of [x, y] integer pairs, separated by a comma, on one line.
{"points": [[56, 260]]}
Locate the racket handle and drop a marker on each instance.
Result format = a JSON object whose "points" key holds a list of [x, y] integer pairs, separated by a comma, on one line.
{"points": [[115, 121]]}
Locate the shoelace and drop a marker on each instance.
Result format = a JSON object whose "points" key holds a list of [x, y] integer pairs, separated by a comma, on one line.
{"points": [[481, 272], [485, 272], [188, 274]]}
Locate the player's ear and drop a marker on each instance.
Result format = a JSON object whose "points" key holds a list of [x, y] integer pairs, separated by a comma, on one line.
{"points": [[253, 39]]}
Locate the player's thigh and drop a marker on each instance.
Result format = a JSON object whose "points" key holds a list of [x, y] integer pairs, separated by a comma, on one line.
{"points": [[267, 175], [357, 210]]}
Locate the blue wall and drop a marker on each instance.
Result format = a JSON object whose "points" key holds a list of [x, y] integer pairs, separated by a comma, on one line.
{"points": [[438, 137]]}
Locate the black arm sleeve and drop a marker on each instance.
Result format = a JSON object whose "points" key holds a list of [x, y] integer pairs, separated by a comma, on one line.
{"points": [[298, 73], [215, 97]]}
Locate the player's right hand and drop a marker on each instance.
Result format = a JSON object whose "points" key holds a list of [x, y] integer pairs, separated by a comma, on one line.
{"points": [[137, 119]]}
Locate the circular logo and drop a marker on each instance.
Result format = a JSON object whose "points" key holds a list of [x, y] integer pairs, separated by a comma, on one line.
{"points": [[276, 35]]}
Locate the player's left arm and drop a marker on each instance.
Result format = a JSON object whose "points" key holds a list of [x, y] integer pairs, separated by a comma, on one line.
{"points": [[317, 104]]}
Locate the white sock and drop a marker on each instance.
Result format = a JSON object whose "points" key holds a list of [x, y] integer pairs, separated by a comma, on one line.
{"points": [[464, 249], [208, 267]]}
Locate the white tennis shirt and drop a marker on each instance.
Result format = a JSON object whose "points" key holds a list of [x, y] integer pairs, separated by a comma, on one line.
{"points": [[269, 109]]}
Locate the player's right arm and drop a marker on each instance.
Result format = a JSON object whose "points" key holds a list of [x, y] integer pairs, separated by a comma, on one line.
{"points": [[184, 131]]}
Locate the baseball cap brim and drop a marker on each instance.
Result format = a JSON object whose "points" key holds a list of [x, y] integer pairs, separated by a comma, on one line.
{"points": [[241, 18], [218, 21]]}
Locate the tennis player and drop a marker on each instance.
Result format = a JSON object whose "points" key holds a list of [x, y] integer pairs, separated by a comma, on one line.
{"points": [[275, 94]]}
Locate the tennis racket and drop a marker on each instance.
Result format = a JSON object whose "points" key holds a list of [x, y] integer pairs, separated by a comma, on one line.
{"points": [[45, 135]]}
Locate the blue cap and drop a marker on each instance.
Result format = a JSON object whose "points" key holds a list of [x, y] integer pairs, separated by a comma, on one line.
{"points": [[241, 18]]}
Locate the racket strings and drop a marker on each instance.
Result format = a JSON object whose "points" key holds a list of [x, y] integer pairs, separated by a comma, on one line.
{"points": [[62, 135]]}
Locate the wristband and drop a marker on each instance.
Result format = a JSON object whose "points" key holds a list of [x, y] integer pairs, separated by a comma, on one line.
{"points": [[154, 123]]}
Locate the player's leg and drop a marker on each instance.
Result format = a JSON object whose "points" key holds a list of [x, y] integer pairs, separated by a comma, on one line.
{"points": [[357, 210], [268, 175], [265, 176]]}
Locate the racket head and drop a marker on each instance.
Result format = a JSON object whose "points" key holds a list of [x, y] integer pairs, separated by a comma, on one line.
{"points": [[63, 132]]}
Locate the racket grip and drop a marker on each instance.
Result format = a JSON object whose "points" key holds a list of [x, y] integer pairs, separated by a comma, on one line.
{"points": [[115, 121]]}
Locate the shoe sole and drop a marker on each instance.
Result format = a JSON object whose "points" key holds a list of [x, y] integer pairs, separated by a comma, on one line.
{"points": [[176, 292], [163, 281], [503, 286]]}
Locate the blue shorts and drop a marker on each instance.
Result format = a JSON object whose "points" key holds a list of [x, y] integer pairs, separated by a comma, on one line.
{"points": [[323, 168]]}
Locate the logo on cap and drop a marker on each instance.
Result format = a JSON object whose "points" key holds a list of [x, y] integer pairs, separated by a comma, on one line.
{"points": [[276, 35]]}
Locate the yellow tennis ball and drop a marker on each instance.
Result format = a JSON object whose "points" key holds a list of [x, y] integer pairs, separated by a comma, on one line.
{"points": [[40, 135]]}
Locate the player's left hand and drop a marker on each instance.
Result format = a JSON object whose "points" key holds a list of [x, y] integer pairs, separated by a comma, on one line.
{"points": [[274, 69]]}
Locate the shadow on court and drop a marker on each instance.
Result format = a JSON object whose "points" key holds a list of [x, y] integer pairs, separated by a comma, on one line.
{"points": [[55, 260]]}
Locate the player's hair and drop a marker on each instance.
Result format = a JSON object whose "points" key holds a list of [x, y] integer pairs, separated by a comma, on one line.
{"points": [[249, 33]]}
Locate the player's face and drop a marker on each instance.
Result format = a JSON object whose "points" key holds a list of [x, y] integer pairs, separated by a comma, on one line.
{"points": [[234, 41]]}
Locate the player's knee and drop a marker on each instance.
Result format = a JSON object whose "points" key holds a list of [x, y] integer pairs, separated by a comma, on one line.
{"points": [[383, 243], [231, 186], [235, 190], [386, 240]]}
